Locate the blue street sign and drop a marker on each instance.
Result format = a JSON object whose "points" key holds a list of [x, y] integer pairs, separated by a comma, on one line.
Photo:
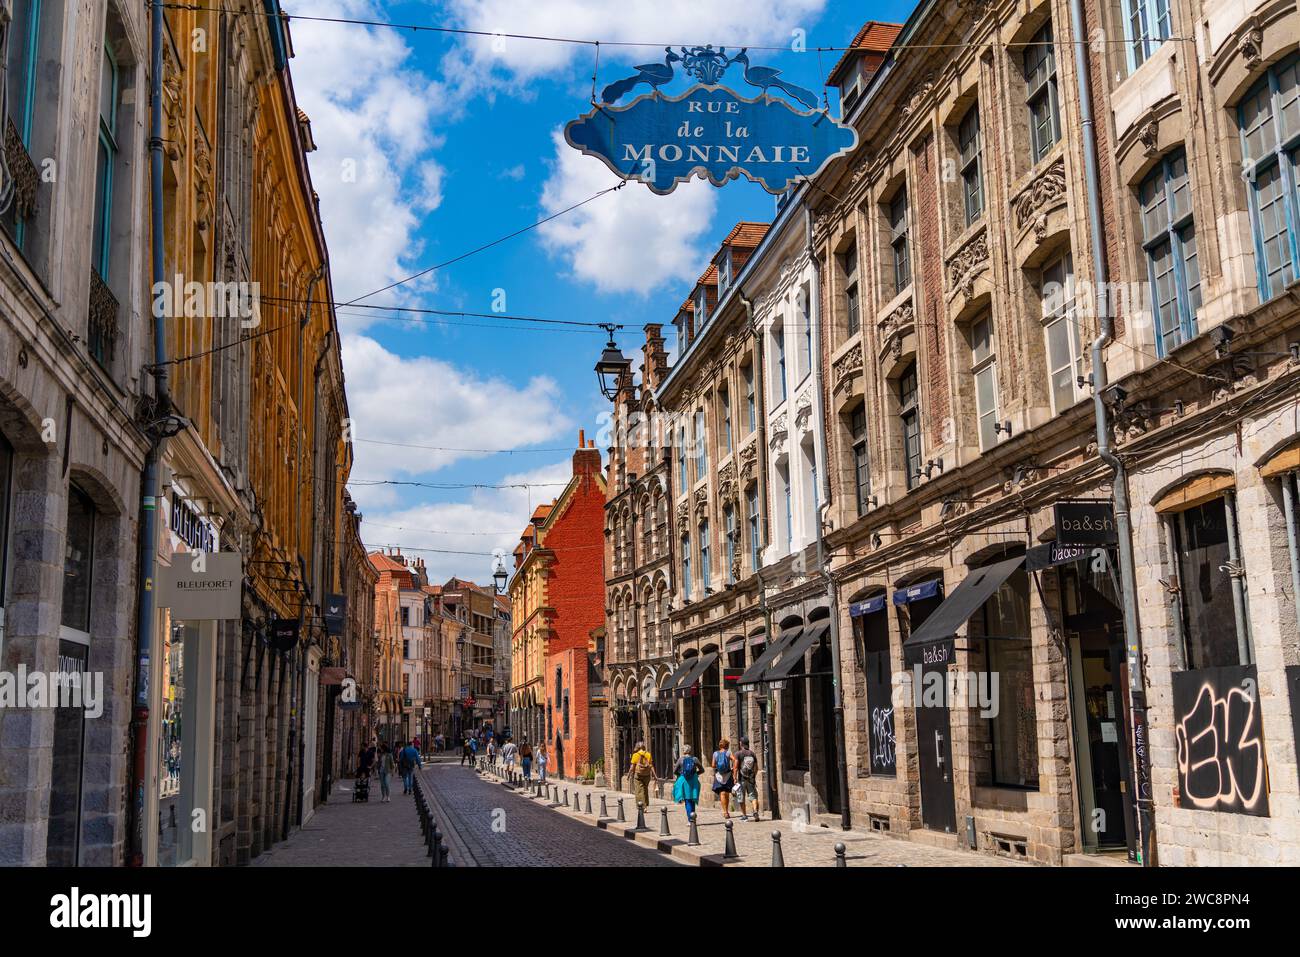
{"points": [[710, 131]]}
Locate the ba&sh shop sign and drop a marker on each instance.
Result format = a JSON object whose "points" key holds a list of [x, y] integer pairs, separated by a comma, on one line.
{"points": [[710, 131], [1089, 522]]}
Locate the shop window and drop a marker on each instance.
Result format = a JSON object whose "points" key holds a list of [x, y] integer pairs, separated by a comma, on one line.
{"points": [[873, 633], [798, 714], [1146, 27], [1206, 551], [1269, 119], [1169, 238], [899, 241], [970, 157], [78, 553], [1008, 655], [1040, 93]]}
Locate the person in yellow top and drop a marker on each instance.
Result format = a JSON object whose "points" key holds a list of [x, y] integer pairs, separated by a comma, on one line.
{"points": [[643, 772]]}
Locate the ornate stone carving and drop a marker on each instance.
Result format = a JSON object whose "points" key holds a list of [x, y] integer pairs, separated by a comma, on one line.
{"points": [[748, 462], [683, 516], [975, 9], [1034, 201], [1149, 135], [26, 177], [895, 326], [846, 367], [102, 325], [780, 432], [969, 262], [728, 490], [919, 91], [701, 500], [803, 411], [1250, 42], [202, 184]]}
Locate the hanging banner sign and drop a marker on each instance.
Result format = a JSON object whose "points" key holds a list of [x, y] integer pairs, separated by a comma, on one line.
{"points": [[710, 131], [335, 609], [1086, 522], [209, 592]]}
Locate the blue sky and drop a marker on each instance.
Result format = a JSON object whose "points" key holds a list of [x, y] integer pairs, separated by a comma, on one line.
{"points": [[430, 145]]}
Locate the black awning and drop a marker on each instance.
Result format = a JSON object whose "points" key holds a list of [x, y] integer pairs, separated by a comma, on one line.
{"points": [[700, 665], [792, 656], [754, 673], [957, 608], [675, 678]]}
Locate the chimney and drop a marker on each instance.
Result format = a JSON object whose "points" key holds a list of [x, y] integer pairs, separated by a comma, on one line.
{"points": [[586, 460], [654, 366]]}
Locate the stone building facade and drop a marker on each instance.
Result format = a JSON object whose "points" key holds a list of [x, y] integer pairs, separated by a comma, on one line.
{"points": [[958, 272]]}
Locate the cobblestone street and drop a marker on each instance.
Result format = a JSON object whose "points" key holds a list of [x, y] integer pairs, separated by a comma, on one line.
{"points": [[810, 846], [344, 833], [528, 834]]}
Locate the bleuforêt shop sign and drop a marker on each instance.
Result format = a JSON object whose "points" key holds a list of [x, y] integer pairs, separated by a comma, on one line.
{"points": [[710, 131]]}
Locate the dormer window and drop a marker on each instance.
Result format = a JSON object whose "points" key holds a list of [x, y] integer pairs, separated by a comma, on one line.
{"points": [[701, 308], [724, 271]]}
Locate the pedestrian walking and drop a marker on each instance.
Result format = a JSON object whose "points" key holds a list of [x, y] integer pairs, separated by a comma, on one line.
{"points": [[722, 776], [509, 751], [526, 761], [542, 760], [466, 753], [385, 762], [643, 772], [491, 750], [407, 762], [686, 789], [746, 790]]}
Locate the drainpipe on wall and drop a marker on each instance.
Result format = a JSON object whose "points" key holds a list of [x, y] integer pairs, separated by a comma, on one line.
{"points": [[148, 531], [824, 494], [1123, 523]]}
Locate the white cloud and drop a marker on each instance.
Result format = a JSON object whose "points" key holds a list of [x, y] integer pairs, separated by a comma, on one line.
{"points": [[371, 112], [515, 172], [486, 521], [425, 401], [494, 62], [629, 241]]}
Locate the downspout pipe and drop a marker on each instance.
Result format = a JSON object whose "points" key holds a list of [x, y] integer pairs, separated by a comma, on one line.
{"points": [[824, 496], [149, 492], [1123, 518]]}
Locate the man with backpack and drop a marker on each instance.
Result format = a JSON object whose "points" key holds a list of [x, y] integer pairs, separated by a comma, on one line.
{"points": [[746, 779], [407, 762]]}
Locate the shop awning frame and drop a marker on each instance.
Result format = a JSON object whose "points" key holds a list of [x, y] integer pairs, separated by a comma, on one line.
{"points": [[966, 599], [918, 592], [675, 678], [793, 654], [754, 673], [868, 606], [702, 663]]}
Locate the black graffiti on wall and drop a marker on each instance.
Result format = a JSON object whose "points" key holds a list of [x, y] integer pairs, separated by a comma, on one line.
{"points": [[1219, 733], [884, 759]]}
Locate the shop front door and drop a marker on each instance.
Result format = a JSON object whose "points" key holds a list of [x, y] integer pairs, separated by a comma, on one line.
{"points": [[934, 751], [1098, 683]]}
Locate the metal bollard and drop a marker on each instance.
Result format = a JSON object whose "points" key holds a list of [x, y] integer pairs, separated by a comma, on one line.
{"points": [[588, 802], [839, 856], [621, 816], [663, 821], [640, 818], [693, 839], [604, 811], [778, 859], [577, 801], [729, 849], [434, 845], [566, 797], [444, 855]]}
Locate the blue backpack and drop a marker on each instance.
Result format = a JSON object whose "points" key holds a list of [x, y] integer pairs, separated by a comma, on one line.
{"points": [[688, 765]]}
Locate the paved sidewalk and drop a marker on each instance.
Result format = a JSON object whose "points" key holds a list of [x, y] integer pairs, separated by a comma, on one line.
{"points": [[809, 846], [344, 833]]}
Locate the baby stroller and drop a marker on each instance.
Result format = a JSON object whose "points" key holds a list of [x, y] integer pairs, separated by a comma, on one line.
{"points": [[361, 789]]}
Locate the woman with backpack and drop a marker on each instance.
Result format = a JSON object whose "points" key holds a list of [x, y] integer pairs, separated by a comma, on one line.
{"points": [[722, 776], [643, 772], [686, 789]]}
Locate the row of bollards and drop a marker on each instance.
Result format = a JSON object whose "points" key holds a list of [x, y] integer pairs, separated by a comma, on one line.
{"points": [[438, 852]]}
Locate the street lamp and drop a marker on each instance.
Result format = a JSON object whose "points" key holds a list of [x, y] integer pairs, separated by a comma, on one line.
{"points": [[499, 576], [611, 366]]}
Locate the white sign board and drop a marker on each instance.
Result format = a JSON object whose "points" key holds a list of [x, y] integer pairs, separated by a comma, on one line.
{"points": [[202, 587]]}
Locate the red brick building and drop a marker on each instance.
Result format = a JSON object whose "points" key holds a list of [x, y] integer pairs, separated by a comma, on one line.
{"points": [[558, 600]]}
